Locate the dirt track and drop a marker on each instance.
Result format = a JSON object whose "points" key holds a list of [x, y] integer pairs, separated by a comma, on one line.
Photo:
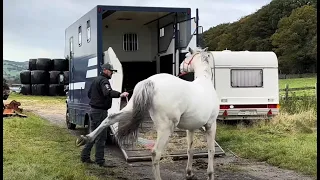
{"points": [[228, 167]]}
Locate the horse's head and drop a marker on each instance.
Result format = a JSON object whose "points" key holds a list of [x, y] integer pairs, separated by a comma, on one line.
{"points": [[193, 57]]}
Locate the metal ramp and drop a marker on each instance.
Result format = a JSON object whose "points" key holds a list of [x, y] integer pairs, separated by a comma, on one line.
{"points": [[141, 150]]}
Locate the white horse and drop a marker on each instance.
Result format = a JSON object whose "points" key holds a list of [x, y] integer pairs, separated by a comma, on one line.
{"points": [[171, 102]]}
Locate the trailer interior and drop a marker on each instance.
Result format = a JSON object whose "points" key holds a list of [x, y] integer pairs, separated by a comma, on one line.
{"points": [[141, 41]]}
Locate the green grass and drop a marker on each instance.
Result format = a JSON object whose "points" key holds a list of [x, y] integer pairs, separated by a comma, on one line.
{"points": [[42, 99], [295, 151], [35, 149], [297, 82], [289, 140]]}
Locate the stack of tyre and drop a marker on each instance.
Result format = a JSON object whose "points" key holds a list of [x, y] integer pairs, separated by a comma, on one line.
{"points": [[45, 77]]}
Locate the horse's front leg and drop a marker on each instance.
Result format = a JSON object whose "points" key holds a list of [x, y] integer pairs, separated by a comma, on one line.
{"points": [[190, 135], [211, 133]]}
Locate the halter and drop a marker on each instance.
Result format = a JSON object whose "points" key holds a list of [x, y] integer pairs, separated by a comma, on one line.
{"points": [[188, 64]]}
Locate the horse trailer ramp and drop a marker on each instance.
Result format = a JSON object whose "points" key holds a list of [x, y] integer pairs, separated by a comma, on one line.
{"points": [[141, 150]]}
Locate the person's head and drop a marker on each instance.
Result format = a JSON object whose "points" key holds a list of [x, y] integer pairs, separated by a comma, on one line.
{"points": [[108, 70]]}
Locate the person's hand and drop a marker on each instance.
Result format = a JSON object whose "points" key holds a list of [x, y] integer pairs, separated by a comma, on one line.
{"points": [[124, 94]]}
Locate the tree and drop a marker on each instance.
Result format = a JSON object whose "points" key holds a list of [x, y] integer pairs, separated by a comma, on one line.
{"points": [[295, 40]]}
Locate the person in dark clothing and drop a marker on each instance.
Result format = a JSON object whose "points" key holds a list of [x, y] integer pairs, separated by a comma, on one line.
{"points": [[5, 91], [100, 94]]}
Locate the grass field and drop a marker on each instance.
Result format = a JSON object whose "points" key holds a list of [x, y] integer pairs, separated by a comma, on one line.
{"points": [[34, 149], [298, 83], [287, 141]]}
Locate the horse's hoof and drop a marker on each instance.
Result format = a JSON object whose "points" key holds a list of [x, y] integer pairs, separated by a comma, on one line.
{"points": [[82, 140], [191, 177]]}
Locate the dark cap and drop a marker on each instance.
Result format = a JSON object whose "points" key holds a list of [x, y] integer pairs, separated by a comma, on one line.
{"points": [[108, 67]]}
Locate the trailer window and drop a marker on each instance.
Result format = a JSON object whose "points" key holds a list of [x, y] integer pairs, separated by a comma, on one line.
{"points": [[246, 78], [88, 31], [71, 47], [80, 36], [130, 42], [161, 32]]}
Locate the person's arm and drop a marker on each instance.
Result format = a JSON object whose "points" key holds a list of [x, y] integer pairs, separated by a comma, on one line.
{"points": [[107, 90]]}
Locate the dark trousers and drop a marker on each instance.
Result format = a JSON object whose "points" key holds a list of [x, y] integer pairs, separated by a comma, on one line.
{"points": [[96, 117]]}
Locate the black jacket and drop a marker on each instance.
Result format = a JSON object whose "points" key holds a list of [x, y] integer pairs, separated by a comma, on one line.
{"points": [[101, 93]]}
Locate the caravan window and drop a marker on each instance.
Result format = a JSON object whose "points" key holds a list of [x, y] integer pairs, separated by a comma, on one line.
{"points": [[130, 42], [246, 78], [80, 36]]}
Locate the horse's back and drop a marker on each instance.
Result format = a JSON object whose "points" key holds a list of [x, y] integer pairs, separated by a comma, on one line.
{"points": [[179, 98]]}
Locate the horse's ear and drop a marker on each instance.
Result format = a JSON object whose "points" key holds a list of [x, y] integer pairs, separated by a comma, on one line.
{"points": [[205, 49], [190, 50]]}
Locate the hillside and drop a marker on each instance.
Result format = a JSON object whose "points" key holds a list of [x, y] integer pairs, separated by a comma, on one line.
{"points": [[12, 69], [289, 28]]}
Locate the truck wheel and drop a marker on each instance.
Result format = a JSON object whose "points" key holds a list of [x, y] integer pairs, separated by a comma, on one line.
{"points": [[69, 124]]}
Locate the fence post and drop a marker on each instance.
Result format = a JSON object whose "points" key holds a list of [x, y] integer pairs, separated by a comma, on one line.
{"points": [[316, 89], [287, 91]]}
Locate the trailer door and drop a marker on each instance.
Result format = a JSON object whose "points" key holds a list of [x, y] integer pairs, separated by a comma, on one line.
{"points": [[116, 81]]}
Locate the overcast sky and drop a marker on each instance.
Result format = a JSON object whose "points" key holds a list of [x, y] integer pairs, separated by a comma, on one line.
{"points": [[35, 28]]}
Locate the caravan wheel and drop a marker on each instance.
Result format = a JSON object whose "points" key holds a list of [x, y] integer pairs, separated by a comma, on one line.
{"points": [[69, 124]]}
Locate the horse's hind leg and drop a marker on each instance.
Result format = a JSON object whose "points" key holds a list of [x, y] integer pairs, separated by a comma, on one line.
{"points": [[190, 135], [211, 133], [164, 131]]}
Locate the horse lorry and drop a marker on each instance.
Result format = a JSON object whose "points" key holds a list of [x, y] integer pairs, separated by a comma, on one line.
{"points": [[138, 42]]}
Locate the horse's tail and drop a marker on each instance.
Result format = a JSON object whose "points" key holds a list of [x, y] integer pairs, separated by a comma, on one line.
{"points": [[142, 101]]}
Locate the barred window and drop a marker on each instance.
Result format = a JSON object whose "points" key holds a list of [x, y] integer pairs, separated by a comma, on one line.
{"points": [[130, 42]]}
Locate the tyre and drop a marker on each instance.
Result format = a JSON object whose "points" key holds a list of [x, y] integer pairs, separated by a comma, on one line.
{"points": [[69, 124], [39, 77], [32, 64], [39, 89], [25, 77], [26, 89], [66, 77], [55, 77], [56, 90], [44, 64], [60, 64]]}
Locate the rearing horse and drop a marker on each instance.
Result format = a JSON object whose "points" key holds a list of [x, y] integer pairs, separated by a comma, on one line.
{"points": [[171, 102]]}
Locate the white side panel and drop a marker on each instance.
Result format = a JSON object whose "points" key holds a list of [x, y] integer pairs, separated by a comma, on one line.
{"points": [[268, 94], [115, 81]]}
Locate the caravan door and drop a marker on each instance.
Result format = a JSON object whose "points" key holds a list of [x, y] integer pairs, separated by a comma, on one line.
{"points": [[116, 82]]}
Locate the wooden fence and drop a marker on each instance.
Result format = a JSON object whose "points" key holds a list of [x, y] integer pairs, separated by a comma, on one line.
{"points": [[287, 90]]}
